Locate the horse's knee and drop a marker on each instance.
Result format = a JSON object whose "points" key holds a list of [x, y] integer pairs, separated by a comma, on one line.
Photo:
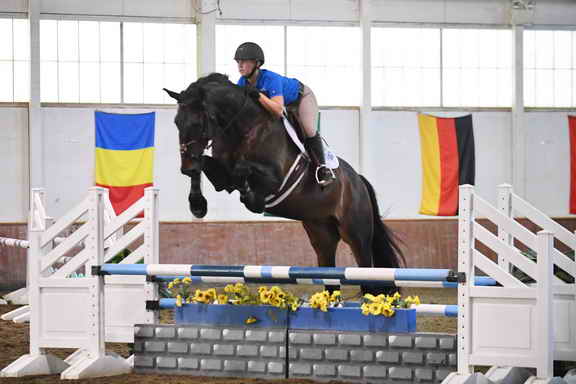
{"points": [[253, 201], [242, 171]]}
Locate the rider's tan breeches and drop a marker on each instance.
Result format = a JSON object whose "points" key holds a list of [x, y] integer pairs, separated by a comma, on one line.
{"points": [[308, 112]]}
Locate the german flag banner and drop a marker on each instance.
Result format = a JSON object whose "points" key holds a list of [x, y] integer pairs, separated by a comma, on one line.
{"points": [[448, 160], [572, 129], [124, 156]]}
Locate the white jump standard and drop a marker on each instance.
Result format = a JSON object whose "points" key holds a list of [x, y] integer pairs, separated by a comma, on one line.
{"points": [[505, 324]]}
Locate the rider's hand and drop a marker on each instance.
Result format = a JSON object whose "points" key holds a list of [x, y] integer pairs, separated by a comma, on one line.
{"points": [[253, 93]]}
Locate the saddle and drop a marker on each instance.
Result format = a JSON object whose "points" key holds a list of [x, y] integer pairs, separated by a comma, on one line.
{"points": [[299, 136], [291, 115]]}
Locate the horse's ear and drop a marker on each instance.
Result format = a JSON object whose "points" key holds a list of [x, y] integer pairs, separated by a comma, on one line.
{"points": [[174, 95]]}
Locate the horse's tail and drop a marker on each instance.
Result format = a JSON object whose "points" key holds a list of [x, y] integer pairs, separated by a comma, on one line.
{"points": [[385, 249]]}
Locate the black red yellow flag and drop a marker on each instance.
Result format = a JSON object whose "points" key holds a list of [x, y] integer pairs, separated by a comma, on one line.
{"points": [[448, 160]]}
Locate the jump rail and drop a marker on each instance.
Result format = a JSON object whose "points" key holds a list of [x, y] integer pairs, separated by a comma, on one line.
{"points": [[509, 324], [480, 280]]}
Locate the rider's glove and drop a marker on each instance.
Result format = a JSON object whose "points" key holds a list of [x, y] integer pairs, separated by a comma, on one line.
{"points": [[253, 93]]}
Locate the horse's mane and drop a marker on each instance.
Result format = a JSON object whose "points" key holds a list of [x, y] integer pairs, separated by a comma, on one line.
{"points": [[214, 77], [197, 88], [196, 91]]}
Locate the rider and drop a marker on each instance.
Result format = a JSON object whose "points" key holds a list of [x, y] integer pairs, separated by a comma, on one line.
{"points": [[277, 91]]}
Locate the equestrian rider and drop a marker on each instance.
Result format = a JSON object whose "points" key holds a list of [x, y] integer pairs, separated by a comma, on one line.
{"points": [[277, 91]]}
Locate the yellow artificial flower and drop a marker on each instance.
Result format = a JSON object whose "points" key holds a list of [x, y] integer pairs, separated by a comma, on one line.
{"points": [[222, 299], [240, 288], [211, 294], [171, 285], [276, 302], [412, 300], [388, 311], [187, 280], [178, 301], [251, 320], [376, 308], [336, 296], [370, 297], [365, 309]]}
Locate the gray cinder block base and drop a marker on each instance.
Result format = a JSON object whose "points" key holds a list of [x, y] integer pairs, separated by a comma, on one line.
{"points": [[278, 353]]}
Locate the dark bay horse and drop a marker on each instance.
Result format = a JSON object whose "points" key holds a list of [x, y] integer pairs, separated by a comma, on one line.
{"points": [[252, 153]]}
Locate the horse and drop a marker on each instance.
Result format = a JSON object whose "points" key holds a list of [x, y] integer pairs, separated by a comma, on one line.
{"points": [[252, 153]]}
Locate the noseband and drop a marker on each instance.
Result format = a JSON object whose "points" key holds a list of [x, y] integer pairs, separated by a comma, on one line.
{"points": [[184, 147]]}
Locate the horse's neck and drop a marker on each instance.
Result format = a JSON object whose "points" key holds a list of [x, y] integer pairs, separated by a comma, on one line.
{"points": [[278, 145]]}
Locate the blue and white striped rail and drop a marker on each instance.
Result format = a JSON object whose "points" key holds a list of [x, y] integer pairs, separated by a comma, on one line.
{"points": [[479, 281], [283, 275], [436, 310]]}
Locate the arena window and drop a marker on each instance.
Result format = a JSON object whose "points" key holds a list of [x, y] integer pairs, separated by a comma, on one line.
{"points": [[550, 69], [329, 60], [477, 68], [269, 37], [405, 67], [14, 60]]}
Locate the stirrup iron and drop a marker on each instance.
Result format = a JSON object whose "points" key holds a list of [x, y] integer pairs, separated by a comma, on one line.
{"points": [[324, 182]]}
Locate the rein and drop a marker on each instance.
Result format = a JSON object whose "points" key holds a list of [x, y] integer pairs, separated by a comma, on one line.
{"points": [[225, 129]]}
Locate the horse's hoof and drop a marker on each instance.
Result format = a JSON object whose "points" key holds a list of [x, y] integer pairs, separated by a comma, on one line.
{"points": [[198, 205]]}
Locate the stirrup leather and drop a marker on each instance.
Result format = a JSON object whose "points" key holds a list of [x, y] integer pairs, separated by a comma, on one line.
{"points": [[324, 182]]}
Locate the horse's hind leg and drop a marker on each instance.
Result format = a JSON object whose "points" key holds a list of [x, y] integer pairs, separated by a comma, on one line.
{"points": [[358, 233], [324, 238]]}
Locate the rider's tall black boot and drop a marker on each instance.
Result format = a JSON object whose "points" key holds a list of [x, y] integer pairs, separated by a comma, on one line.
{"points": [[315, 147]]}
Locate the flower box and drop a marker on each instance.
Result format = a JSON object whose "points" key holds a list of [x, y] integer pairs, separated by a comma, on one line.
{"points": [[347, 318]]}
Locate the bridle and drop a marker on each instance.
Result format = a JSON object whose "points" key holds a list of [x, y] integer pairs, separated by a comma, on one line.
{"points": [[208, 133]]}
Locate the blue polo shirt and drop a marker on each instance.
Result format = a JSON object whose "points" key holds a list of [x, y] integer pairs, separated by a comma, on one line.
{"points": [[272, 84]]}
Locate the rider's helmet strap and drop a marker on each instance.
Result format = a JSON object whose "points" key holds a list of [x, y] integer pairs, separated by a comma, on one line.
{"points": [[256, 67]]}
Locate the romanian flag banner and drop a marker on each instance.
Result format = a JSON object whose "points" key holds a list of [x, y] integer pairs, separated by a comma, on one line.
{"points": [[572, 129], [124, 156], [448, 160]]}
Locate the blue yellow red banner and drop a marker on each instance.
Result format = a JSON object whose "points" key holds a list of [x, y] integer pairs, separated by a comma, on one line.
{"points": [[124, 159]]}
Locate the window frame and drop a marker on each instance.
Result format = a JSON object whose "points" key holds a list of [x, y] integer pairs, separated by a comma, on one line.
{"points": [[121, 20], [296, 23], [14, 16], [550, 28], [285, 24]]}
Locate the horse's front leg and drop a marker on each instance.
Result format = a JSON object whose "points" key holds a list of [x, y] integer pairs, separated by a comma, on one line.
{"points": [[217, 173], [197, 202], [248, 196]]}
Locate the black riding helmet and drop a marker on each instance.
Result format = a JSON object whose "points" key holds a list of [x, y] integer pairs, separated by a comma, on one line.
{"points": [[250, 51]]}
